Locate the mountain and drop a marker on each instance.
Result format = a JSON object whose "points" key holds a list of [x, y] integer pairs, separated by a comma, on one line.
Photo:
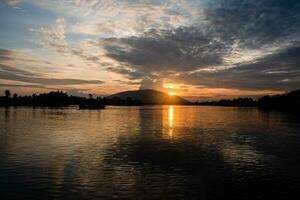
{"points": [[150, 97]]}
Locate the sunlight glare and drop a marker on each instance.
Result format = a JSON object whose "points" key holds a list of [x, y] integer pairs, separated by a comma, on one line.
{"points": [[171, 93], [171, 120]]}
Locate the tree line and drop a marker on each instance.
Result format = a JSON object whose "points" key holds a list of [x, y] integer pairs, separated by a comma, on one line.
{"points": [[289, 100], [61, 99]]}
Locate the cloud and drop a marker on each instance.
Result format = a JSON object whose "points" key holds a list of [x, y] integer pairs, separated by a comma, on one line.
{"points": [[233, 44], [278, 71], [128, 82], [6, 55], [128, 73], [127, 18], [11, 2], [13, 74], [53, 37], [15, 70], [222, 44], [152, 84], [24, 86], [182, 49], [9, 56], [86, 2]]}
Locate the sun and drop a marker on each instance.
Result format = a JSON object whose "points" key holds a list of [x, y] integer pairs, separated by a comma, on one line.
{"points": [[171, 93]]}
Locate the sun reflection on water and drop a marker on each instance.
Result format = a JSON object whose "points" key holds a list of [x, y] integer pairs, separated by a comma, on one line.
{"points": [[171, 120]]}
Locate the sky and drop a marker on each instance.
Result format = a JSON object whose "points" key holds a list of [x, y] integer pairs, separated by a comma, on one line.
{"points": [[200, 49]]}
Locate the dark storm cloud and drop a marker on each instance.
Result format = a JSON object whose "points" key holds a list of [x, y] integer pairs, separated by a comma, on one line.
{"points": [[14, 74], [279, 71], [224, 29], [183, 49], [254, 23], [127, 72]]}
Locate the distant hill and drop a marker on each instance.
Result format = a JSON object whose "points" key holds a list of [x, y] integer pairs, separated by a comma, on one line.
{"points": [[150, 97]]}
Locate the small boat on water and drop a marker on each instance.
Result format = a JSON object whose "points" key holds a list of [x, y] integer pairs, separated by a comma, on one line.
{"points": [[91, 106]]}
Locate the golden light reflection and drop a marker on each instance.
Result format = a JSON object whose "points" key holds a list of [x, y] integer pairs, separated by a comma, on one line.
{"points": [[171, 116], [171, 120]]}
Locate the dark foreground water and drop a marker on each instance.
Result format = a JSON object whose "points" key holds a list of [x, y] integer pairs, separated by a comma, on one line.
{"points": [[169, 152]]}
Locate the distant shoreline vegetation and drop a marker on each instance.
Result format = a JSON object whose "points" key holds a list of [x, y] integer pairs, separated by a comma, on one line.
{"points": [[60, 99], [287, 101]]}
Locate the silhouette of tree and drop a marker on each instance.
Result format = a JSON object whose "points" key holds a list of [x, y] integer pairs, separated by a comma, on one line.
{"points": [[7, 93]]}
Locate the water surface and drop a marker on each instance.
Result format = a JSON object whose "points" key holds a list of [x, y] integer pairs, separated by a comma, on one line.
{"points": [[155, 152]]}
